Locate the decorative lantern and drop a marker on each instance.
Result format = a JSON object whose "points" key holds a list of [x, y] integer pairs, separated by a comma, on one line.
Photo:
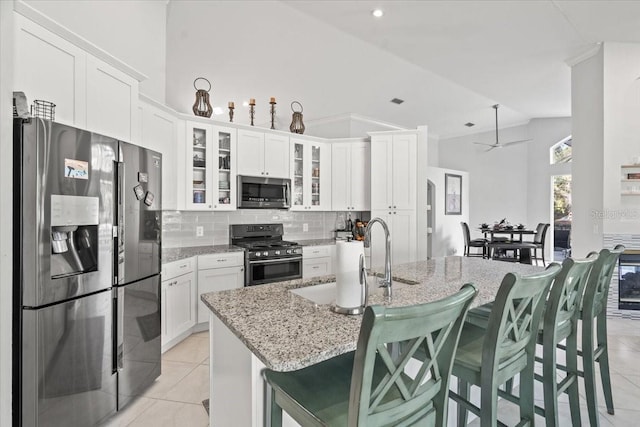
{"points": [[296, 121], [202, 107]]}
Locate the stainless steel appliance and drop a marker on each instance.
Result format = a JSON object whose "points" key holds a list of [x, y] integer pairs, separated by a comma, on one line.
{"points": [[264, 193], [83, 332], [268, 258]]}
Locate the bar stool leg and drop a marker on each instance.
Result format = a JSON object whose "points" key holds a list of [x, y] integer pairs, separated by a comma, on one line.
{"points": [[588, 366], [463, 390], [603, 360]]}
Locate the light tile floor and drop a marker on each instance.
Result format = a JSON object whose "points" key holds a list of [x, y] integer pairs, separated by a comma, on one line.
{"points": [[176, 397]]}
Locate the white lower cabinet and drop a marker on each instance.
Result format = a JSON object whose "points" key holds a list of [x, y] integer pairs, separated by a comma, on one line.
{"points": [[178, 308], [317, 260], [217, 272]]}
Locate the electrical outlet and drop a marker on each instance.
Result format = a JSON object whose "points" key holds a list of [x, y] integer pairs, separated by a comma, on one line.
{"points": [[199, 231], [305, 227]]}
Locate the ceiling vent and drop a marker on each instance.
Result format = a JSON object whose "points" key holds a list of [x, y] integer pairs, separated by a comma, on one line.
{"points": [[469, 124], [397, 101]]}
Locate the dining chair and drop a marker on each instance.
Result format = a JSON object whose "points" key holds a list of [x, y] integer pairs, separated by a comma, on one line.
{"points": [[489, 355], [593, 321], [475, 243], [538, 243], [368, 387]]}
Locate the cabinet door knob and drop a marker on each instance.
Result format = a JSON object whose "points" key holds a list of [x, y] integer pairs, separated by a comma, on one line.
{"points": [[394, 207], [262, 173], [266, 173]]}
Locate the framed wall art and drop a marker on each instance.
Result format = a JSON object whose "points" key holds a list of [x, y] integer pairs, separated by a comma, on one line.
{"points": [[452, 194]]}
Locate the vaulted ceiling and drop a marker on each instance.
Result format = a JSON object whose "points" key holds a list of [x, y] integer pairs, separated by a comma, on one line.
{"points": [[512, 53]]}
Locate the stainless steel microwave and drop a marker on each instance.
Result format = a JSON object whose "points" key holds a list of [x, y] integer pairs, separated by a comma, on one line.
{"points": [[255, 192]]}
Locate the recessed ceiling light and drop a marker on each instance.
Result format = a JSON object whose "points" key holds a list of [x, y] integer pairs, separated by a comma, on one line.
{"points": [[469, 124], [377, 13], [397, 101]]}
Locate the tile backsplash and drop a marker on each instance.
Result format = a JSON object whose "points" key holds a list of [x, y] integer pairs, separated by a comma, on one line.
{"points": [[179, 227]]}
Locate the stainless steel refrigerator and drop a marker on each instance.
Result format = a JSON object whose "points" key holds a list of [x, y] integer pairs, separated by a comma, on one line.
{"points": [[86, 274]]}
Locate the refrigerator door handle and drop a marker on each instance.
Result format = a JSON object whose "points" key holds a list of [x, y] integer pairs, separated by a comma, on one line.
{"points": [[119, 242]]}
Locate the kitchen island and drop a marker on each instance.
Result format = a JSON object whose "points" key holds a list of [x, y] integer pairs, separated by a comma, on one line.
{"points": [[271, 326]]}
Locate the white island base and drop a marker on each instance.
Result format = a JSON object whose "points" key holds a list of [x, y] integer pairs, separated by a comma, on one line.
{"points": [[236, 386]]}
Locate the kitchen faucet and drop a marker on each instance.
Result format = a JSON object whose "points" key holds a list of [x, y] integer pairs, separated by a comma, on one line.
{"points": [[386, 282]]}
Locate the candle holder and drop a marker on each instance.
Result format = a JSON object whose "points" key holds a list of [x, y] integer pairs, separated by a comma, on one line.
{"points": [[273, 112], [231, 107], [252, 110]]}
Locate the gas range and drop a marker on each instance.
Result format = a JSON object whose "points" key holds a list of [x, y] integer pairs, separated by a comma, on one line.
{"points": [[268, 258], [267, 249]]}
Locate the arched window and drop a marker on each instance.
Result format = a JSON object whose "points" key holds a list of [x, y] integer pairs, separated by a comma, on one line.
{"points": [[560, 152]]}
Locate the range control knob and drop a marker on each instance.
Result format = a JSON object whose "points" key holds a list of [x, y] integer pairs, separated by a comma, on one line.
{"points": [[257, 254], [265, 253], [289, 251], [277, 252]]}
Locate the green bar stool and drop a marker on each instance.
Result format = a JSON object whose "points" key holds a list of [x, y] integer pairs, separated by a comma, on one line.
{"points": [[559, 323], [490, 356], [368, 387], [594, 311]]}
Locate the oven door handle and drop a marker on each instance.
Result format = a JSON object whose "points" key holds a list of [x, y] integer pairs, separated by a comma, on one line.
{"points": [[270, 261]]}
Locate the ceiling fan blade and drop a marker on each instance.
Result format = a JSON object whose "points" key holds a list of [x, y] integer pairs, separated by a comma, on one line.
{"points": [[487, 144]]}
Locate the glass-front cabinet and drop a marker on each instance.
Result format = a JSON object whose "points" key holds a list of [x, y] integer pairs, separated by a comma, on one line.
{"points": [[311, 175], [210, 167]]}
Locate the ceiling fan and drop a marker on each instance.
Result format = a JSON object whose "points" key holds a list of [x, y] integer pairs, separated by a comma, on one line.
{"points": [[498, 144]]}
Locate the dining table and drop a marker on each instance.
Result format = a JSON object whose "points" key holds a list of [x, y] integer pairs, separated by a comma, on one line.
{"points": [[273, 326], [489, 232]]}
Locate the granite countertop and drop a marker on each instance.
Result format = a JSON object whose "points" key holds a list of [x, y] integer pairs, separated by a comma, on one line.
{"points": [[316, 242], [287, 332], [176, 254]]}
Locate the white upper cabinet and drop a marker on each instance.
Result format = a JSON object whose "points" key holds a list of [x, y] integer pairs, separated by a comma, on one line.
{"points": [[87, 92], [261, 154], [211, 164], [112, 101], [350, 189], [160, 131], [50, 68], [393, 171], [311, 175]]}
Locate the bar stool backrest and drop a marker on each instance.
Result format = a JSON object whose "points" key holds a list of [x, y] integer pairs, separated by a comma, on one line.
{"points": [[596, 292], [391, 398], [514, 321]]}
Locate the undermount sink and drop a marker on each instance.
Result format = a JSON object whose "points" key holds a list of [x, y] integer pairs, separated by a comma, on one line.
{"points": [[326, 292]]}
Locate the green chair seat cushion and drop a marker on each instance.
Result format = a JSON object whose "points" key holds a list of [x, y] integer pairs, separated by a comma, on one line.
{"points": [[323, 389]]}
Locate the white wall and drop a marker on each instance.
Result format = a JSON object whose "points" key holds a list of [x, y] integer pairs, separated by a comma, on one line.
{"points": [[499, 178], [134, 31], [621, 134], [545, 134], [6, 193], [587, 112], [447, 238]]}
